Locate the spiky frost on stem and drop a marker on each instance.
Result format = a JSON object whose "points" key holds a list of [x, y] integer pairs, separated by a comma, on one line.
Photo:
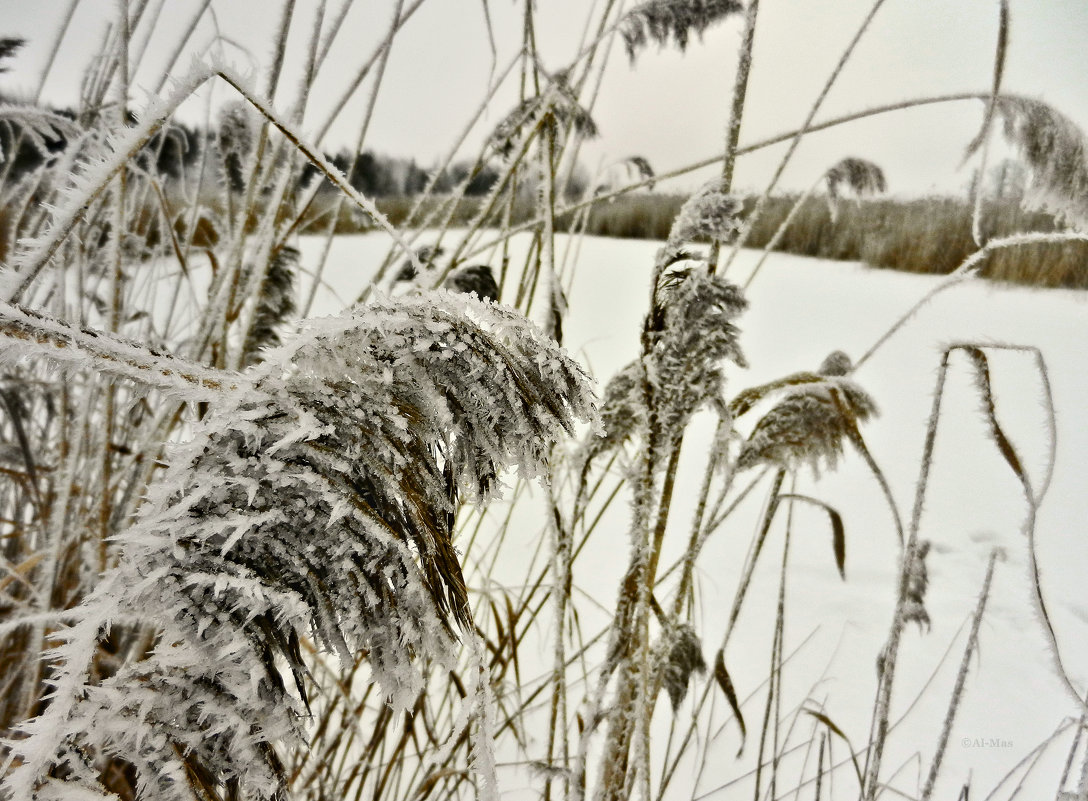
{"points": [[33, 334]]}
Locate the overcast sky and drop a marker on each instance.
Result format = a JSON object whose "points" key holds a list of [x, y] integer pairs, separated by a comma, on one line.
{"points": [[668, 107]]}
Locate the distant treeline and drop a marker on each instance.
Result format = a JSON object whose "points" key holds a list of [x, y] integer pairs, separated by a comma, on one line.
{"points": [[175, 152]]}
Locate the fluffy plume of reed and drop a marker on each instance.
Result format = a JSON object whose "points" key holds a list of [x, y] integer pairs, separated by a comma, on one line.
{"points": [[660, 20], [710, 213], [36, 127], [475, 278], [1056, 151], [692, 333], [837, 363], [426, 255], [809, 425], [319, 503], [623, 413], [9, 46], [642, 169], [860, 177], [555, 109]]}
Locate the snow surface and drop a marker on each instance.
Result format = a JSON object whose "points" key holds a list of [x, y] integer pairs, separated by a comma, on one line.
{"points": [[801, 310]]}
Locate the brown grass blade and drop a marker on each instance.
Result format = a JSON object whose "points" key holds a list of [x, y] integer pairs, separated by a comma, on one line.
{"points": [[838, 530], [834, 729], [721, 676]]}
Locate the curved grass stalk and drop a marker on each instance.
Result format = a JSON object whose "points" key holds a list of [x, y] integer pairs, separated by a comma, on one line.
{"points": [[970, 268], [890, 653]]}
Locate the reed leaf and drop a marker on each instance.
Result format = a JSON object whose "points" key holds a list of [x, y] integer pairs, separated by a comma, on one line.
{"points": [[725, 683]]}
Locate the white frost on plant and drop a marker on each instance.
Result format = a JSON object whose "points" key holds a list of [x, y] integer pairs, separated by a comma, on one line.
{"points": [[381, 420]]}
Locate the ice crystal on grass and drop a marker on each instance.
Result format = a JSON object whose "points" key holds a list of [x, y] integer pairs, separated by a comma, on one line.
{"points": [[317, 504], [660, 20]]}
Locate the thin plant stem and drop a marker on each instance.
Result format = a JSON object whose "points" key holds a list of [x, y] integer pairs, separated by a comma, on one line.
{"points": [[961, 680]]}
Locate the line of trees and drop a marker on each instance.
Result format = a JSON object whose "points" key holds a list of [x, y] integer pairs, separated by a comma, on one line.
{"points": [[175, 151]]}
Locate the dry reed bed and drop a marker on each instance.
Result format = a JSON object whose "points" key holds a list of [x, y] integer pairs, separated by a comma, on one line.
{"points": [[929, 235]]}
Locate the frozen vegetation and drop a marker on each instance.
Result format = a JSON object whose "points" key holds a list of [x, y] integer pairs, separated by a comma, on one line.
{"points": [[489, 511]]}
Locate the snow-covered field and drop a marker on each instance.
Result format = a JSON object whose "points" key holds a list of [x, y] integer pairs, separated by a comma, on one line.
{"points": [[800, 311]]}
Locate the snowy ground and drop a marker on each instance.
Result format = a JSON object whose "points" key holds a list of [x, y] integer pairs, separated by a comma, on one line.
{"points": [[800, 311]]}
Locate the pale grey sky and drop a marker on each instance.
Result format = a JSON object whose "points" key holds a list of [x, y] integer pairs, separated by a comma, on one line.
{"points": [[669, 107]]}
